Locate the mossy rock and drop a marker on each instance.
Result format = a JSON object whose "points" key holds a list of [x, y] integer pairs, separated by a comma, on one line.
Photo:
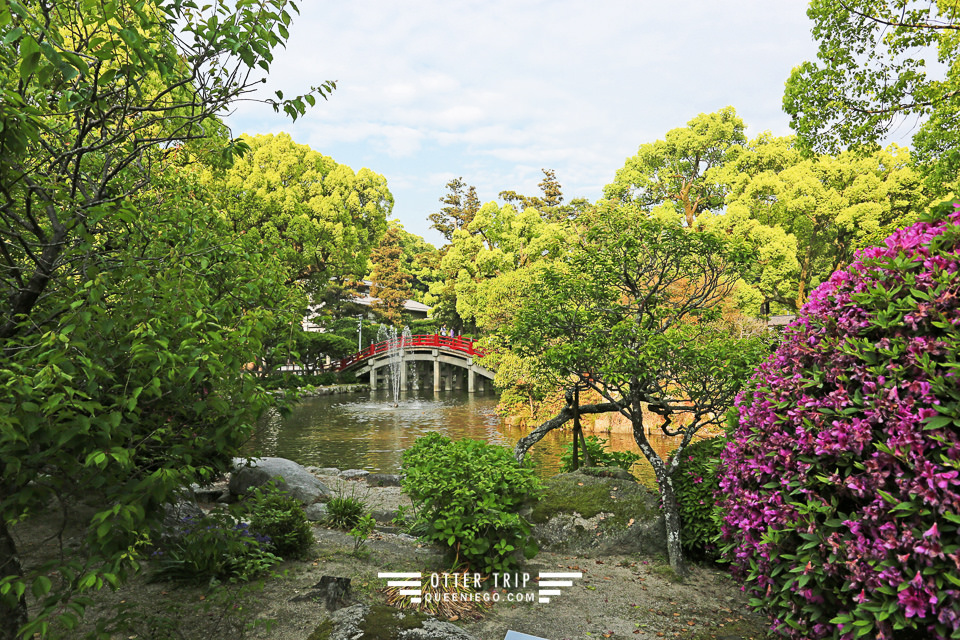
{"points": [[323, 631], [608, 472], [581, 512], [589, 494]]}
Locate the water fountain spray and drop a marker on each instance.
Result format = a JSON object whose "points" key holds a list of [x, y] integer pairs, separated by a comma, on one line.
{"points": [[396, 343]]}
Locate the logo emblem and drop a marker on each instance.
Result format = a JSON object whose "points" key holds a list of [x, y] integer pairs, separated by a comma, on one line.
{"points": [[552, 579], [409, 584]]}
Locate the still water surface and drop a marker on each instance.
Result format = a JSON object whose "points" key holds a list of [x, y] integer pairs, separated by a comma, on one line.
{"points": [[364, 430]]}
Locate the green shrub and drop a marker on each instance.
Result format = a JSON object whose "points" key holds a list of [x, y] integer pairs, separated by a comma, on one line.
{"points": [[217, 546], [288, 380], [600, 455], [695, 483], [421, 326], [275, 514], [467, 494]]}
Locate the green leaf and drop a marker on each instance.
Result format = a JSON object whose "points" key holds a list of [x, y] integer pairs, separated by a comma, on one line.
{"points": [[41, 586], [13, 35], [29, 56], [938, 422]]}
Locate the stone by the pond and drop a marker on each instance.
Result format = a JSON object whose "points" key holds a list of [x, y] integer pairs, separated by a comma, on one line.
{"points": [[354, 474], [383, 479], [316, 512], [210, 493], [380, 622], [624, 516], [289, 476], [384, 515], [324, 471]]}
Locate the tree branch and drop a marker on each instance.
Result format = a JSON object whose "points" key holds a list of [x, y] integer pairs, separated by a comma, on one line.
{"points": [[566, 414]]}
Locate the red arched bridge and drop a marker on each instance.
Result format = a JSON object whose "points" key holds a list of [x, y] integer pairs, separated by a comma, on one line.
{"points": [[429, 361]]}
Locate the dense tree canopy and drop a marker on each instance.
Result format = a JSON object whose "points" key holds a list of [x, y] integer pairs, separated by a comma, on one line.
{"points": [[391, 282], [807, 216], [499, 241]]}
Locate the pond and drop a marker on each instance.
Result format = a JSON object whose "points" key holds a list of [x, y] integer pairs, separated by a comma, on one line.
{"points": [[364, 431]]}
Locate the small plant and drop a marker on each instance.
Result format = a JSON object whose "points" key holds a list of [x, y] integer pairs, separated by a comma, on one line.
{"points": [[226, 610], [215, 547], [467, 494], [695, 483], [600, 455], [361, 532], [345, 511], [403, 519], [275, 514]]}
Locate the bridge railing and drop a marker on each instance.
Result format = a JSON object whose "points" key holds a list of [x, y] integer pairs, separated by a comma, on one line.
{"points": [[432, 340]]}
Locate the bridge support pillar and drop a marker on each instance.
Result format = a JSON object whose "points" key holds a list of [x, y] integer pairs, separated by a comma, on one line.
{"points": [[471, 380], [436, 372], [403, 373], [373, 378]]}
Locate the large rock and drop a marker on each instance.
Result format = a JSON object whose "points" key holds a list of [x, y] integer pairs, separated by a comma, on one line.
{"points": [[383, 479], [380, 622], [289, 476], [316, 512], [585, 514]]}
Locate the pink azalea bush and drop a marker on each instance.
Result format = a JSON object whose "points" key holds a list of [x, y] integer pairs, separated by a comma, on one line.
{"points": [[841, 482]]}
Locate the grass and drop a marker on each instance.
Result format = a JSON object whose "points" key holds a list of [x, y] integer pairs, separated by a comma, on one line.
{"points": [[666, 572]]}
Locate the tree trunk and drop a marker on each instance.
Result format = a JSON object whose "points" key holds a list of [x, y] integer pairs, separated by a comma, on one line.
{"points": [[577, 433], [671, 515], [13, 613], [671, 511], [587, 460], [576, 446]]}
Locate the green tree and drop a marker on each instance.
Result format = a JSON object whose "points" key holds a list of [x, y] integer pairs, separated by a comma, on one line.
{"points": [[633, 312], [391, 282], [323, 217], [313, 347], [875, 68], [87, 96], [117, 384], [461, 205], [140, 387], [675, 176]]}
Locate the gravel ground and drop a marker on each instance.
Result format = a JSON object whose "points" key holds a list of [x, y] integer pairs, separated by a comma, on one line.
{"points": [[619, 596]]}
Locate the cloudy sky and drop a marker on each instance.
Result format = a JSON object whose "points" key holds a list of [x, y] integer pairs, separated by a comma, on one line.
{"points": [[494, 91]]}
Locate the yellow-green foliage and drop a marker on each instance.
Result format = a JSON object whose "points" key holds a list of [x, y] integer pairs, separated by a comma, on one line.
{"points": [[323, 216]]}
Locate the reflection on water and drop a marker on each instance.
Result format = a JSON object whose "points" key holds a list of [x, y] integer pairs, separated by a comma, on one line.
{"points": [[364, 431]]}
